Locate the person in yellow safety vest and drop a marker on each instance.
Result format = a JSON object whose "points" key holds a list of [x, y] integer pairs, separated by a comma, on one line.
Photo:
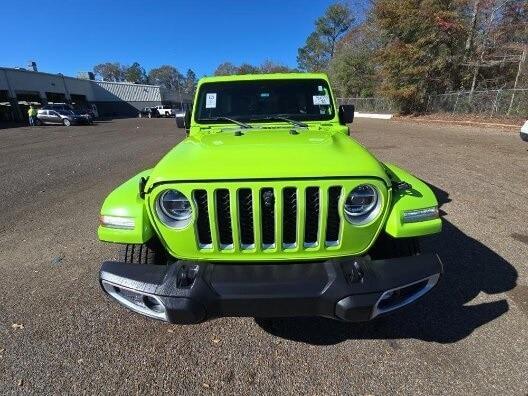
{"points": [[32, 113]]}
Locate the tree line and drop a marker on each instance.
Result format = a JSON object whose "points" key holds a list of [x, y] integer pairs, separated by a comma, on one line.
{"points": [[407, 50], [166, 76]]}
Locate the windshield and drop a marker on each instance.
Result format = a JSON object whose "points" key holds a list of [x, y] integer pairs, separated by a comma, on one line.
{"points": [[297, 99]]}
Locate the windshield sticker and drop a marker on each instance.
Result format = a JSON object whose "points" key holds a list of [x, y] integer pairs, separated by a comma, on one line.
{"points": [[210, 101], [321, 100]]}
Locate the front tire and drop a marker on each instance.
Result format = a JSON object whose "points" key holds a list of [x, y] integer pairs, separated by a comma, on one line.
{"points": [[66, 122], [150, 253]]}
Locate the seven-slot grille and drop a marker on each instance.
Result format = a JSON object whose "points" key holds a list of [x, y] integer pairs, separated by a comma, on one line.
{"points": [[288, 218]]}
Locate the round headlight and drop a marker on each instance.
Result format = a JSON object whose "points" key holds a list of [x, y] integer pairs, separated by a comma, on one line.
{"points": [[361, 204], [174, 208]]}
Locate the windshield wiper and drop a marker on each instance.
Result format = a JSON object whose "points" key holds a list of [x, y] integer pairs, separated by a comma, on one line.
{"points": [[294, 122], [240, 123]]}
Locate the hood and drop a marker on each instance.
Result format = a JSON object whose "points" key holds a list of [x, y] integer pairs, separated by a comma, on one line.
{"points": [[266, 154]]}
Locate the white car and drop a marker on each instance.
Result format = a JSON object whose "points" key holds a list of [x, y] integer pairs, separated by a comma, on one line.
{"points": [[524, 132]]}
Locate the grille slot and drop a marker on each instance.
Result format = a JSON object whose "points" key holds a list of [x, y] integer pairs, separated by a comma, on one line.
{"points": [[245, 213], [202, 219], [333, 221], [311, 221], [223, 217], [289, 217], [267, 221]]}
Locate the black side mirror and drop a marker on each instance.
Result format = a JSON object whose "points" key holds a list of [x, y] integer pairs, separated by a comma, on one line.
{"points": [[183, 119], [346, 114], [180, 119]]}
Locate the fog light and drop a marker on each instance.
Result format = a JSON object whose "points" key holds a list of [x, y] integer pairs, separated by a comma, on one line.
{"points": [[144, 304], [415, 215], [153, 304], [126, 223]]}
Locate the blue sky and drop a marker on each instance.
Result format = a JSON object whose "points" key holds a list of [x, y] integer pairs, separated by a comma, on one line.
{"points": [[71, 36]]}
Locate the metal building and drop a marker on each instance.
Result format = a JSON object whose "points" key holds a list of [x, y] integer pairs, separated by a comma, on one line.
{"points": [[20, 87]]}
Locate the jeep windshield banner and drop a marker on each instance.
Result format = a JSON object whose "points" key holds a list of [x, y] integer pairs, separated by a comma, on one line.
{"points": [[262, 100]]}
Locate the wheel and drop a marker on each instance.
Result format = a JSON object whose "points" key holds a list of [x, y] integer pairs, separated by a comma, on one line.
{"points": [[66, 122], [149, 115], [388, 247], [151, 253], [140, 115]]}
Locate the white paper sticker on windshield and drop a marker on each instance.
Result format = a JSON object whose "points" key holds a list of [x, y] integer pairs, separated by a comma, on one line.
{"points": [[321, 100], [210, 101]]}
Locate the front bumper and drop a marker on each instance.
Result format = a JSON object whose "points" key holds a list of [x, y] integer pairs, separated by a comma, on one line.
{"points": [[350, 289]]}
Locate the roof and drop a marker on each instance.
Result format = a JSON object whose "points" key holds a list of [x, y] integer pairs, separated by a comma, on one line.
{"points": [[110, 91], [264, 76]]}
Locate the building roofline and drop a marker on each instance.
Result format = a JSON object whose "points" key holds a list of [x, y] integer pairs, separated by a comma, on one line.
{"points": [[124, 83], [22, 70]]}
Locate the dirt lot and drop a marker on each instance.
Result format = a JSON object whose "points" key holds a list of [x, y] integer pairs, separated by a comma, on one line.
{"points": [[60, 334]]}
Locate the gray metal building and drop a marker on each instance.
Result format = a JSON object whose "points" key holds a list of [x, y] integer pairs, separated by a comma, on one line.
{"points": [[20, 87]]}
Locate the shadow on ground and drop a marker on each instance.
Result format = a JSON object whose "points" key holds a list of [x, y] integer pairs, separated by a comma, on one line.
{"points": [[445, 315]]}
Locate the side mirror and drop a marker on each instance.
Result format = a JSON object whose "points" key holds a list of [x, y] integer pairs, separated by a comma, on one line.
{"points": [[180, 119], [346, 114], [183, 119]]}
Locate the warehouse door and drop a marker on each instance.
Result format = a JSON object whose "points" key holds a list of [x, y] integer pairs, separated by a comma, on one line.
{"points": [[79, 102], [25, 99], [6, 111], [56, 97]]}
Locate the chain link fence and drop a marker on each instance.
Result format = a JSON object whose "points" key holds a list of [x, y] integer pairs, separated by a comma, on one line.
{"points": [[491, 103], [370, 105], [499, 102]]}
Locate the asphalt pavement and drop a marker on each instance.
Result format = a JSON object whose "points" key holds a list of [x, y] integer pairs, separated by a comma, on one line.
{"points": [[60, 335]]}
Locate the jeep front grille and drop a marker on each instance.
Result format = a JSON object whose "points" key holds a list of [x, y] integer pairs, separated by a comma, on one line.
{"points": [[287, 219]]}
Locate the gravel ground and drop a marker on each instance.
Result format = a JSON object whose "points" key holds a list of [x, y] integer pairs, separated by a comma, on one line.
{"points": [[60, 334]]}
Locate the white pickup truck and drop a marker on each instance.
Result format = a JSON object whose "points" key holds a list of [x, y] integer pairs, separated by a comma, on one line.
{"points": [[524, 132], [165, 111]]}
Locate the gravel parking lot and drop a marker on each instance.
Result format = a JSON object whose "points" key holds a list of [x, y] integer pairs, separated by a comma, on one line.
{"points": [[60, 334]]}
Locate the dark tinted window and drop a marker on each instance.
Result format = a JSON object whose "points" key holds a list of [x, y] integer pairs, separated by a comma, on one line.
{"points": [[300, 99]]}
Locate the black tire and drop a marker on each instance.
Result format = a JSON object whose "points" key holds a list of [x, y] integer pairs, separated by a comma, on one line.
{"points": [[387, 247], [66, 122], [151, 253]]}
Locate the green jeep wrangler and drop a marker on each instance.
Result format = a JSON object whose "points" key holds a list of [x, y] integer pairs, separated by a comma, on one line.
{"points": [[269, 209]]}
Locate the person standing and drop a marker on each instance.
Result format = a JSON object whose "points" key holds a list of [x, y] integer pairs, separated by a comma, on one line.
{"points": [[32, 113]]}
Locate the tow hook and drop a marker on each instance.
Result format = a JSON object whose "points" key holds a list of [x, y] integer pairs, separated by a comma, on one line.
{"points": [[356, 273]]}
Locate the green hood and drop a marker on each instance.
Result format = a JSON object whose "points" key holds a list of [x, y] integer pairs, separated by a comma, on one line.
{"points": [[266, 154]]}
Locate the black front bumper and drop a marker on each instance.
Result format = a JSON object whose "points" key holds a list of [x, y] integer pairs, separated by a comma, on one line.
{"points": [[350, 289]]}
